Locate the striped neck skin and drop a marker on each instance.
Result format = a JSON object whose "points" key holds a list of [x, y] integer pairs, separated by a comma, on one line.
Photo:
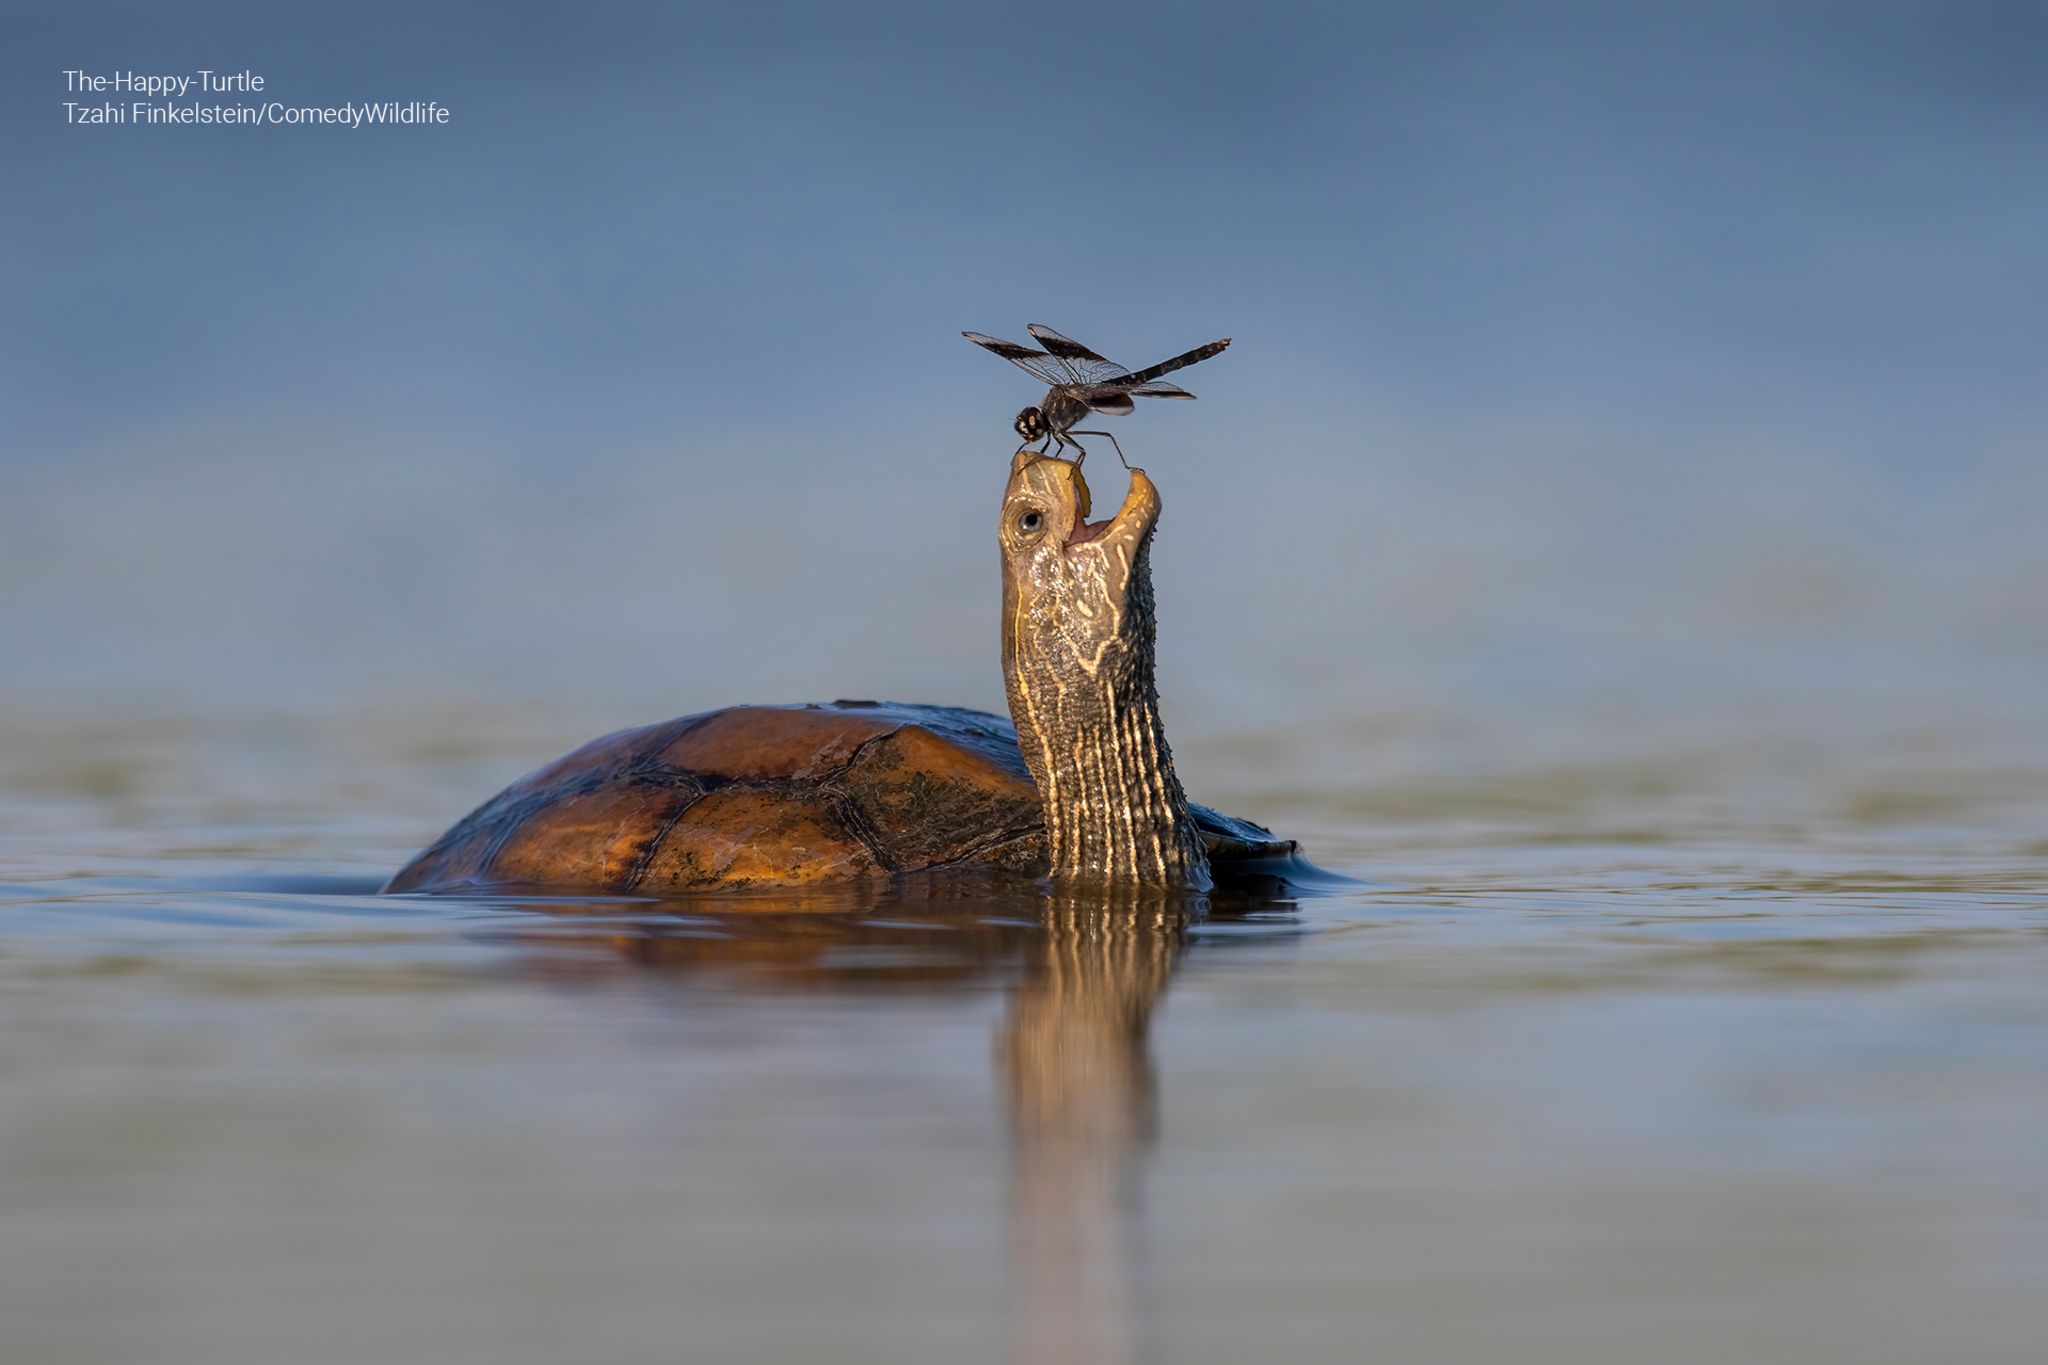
{"points": [[1078, 634]]}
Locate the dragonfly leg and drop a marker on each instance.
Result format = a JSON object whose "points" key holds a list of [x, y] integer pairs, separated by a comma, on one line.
{"points": [[1112, 441]]}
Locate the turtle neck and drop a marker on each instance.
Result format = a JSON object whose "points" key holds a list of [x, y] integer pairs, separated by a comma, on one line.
{"points": [[1078, 668]]}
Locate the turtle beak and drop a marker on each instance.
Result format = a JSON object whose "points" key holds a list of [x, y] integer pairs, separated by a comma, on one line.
{"points": [[1132, 522]]}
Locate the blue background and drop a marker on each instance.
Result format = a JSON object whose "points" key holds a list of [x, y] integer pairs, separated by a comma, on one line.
{"points": [[1656, 357]]}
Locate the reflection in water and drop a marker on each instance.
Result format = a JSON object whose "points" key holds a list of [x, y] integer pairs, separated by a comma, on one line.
{"points": [[1072, 1051], [1078, 1079]]}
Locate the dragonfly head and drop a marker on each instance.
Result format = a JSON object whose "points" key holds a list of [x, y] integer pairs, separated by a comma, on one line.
{"points": [[1030, 425]]}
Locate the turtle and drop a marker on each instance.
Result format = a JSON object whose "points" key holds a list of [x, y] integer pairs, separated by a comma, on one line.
{"points": [[1078, 785]]}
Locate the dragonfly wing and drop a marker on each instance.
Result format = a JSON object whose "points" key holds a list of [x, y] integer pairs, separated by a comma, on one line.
{"points": [[1088, 367], [1037, 363], [1159, 388]]}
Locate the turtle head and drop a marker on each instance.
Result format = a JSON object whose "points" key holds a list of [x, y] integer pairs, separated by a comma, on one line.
{"points": [[1061, 566], [1030, 424]]}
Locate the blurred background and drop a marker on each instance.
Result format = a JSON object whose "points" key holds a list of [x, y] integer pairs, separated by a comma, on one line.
{"points": [[1669, 361]]}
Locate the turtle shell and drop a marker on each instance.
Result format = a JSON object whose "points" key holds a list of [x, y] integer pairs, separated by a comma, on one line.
{"points": [[769, 796]]}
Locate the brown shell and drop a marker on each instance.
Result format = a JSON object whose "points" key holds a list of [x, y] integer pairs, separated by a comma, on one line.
{"points": [[767, 796]]}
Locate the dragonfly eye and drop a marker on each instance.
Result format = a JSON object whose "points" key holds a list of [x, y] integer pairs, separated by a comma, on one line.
{"points": [[1030, 522], [1030, 424]]}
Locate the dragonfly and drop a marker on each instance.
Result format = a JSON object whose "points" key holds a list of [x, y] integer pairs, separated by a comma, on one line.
{"points": [[1084, 382]]}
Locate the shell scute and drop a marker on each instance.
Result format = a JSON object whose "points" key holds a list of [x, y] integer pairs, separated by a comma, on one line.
{"points": [[738, 837], [926, 799], [767, 743], [594, 838]]}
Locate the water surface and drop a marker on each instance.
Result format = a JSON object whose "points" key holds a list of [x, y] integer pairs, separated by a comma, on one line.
{"points": [[1708, 1043]]}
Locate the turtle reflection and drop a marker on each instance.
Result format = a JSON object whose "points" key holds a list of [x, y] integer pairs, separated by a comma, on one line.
{"points": [[1082, 1102]]}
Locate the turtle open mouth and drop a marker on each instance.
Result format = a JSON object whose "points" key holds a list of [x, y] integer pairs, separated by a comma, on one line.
{"points": [[1085, 531], [1140, 505]]}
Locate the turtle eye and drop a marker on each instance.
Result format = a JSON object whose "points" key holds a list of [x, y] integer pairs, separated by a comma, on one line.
{"points": [[1030, 522]]}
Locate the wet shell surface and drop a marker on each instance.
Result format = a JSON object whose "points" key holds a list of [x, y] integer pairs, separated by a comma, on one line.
{"points": [[768, 796]]}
